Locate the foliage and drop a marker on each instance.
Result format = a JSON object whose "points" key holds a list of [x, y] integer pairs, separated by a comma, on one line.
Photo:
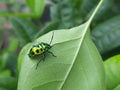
{"points": [[77, 41], [77, 58], [24, 29], [112, 72], [103, 38], [36, 7]]}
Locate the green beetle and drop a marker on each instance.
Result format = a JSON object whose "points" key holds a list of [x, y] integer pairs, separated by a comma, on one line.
{"points": [[40, 50]]}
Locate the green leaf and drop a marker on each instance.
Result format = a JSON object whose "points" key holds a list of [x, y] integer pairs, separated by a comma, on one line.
{"points": [[88, 7], [13, 45], [21, 56], [63, 11], [117, 7], [36, 6], [3, 60], [112, 69], [67, 12], [2, 21], [7, 2], [105, 9], [78, 64], [117, 88], [48, 27], [5, 73], [1, 38], [8, 83], [31, 4], [106, 35], [24, 29]]}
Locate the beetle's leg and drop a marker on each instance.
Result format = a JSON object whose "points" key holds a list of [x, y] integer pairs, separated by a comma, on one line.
{"points": [[52, 53], [43, 58]]}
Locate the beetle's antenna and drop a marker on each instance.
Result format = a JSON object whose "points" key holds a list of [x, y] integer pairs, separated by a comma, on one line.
{"points": [[51, 38]]}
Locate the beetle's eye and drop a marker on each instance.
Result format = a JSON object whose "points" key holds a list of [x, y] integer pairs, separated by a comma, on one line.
{"points": [[37, 51]]}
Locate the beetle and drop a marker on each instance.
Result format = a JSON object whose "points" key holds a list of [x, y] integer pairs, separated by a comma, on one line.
{"points": [[41, 49]]}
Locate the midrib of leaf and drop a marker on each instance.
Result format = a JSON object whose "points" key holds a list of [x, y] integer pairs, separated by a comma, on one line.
{"points": [[80, 43]]}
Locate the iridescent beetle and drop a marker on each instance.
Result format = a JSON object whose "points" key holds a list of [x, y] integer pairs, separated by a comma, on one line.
{"points": [[40, 50]]}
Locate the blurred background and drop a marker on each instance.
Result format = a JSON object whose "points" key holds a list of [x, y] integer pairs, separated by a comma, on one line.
{"points": [[21, 22]]}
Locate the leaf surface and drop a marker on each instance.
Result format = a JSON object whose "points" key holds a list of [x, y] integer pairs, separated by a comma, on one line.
{"points": [[112, 69], [107, 34], [23, 29], [78, 64], [8, 83]]}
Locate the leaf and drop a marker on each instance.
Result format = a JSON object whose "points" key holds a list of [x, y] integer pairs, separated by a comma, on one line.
{"points": [[77, 59], [112, 70], [117, 7], [7, 2], [5, 73], [88, 7], [105, 9], [67, 12], [106, 35], [21, 56], [24, 29], [8, 83], [13, 45], [117, 88], [3, 60], [1, 38], [2, 21], [31, 4], [63, 11], [36, 6], [48, 27]]}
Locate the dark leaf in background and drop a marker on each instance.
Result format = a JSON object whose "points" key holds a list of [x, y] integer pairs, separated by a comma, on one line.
{"points": [[8, 83], [3, 60], [106, 35], [48, 27], [116, 7], [87, 6], [2, 21], [103, 14], [1, 38], [67, 12], [11, 64], [24, 29]]}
